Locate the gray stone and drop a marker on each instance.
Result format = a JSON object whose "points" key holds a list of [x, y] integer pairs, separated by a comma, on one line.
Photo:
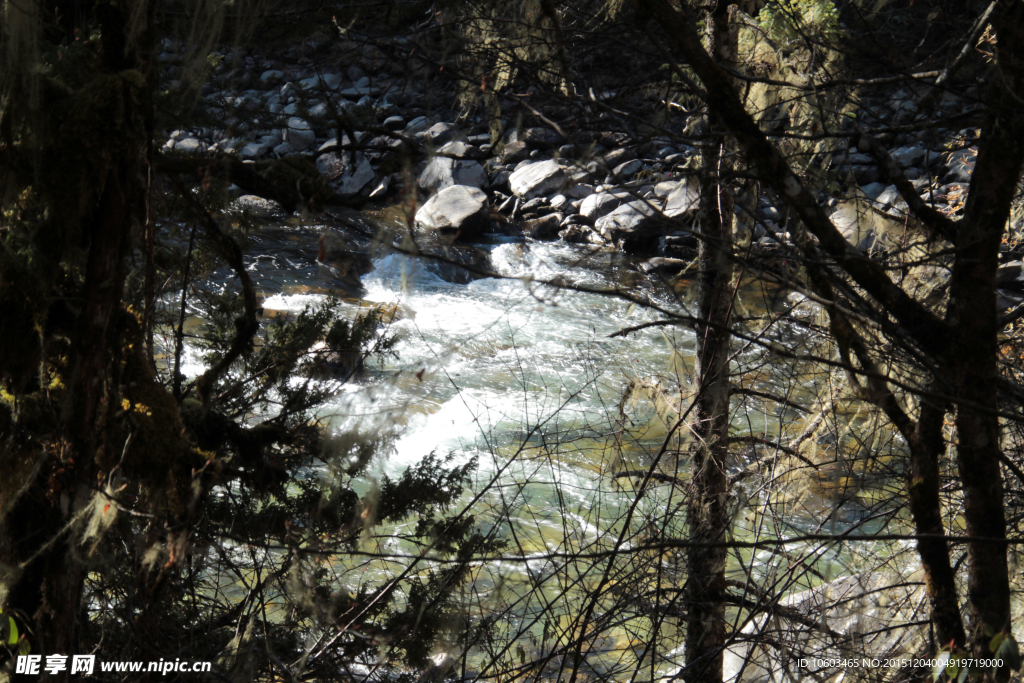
{"points": [[254, 150], [418, 124], [601, 204], [284, 149], [661, 265], [544, 228], [634, 227], [872, 190], [888, 197], [908, 156], [618, 156], [537, 179], [537, 138], [259, 207], [628, 169], [865, 175], [382, 187], [577, 233], [354, 73], [271, 77], [457, 208], [444, 172], [342, 175], [321, 82], [299, 133], [961, 165], [441, 133], [514, 152], [189, 145], [684, 199], [664, 188], [460, 150], [855, 222], [580, 190], [499, 180], [320, 111], [559, 201], [393, 123], [359, 92]]}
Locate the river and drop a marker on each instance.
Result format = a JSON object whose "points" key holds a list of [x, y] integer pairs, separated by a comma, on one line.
{"points": [[528, 380]]}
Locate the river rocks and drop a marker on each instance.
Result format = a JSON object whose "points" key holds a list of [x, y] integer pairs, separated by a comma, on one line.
{"points": [[872, 190], [443, 172], [299, 134], [461, 264], [544, 228], [619, 156], [417, 125], [579, 234], [536, 179], [259, 207], [601, 204], [358, 92], [1011, 276], [189, 145], [514, 152], [961, 165], [254, 150], [346, 255], [858, 223], [456, 209], [628, 169], [908, 156], [537, 138], [682, 200], [664, 266], [634, 227], [459, 149], [345, 175], [442, 133], [393, 123], [271, 77]]}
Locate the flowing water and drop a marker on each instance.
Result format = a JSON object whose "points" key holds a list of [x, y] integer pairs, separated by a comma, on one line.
{"points": [[526, 379]]}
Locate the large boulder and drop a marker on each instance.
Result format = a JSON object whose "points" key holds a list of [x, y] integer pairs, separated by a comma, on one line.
{"points": [[635, 228], [443, 133], [444, 172], [344, 174], [602, 203], [299, 134], [682, 200], [457, 209], [538, 179]]}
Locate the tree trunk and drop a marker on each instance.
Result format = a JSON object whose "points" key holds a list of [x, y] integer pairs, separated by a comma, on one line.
{"points": [[926, 445], [974, 354], [707, 513]]}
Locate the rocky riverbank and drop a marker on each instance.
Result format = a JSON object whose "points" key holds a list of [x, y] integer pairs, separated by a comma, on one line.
{"points": [[372, 137]]}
